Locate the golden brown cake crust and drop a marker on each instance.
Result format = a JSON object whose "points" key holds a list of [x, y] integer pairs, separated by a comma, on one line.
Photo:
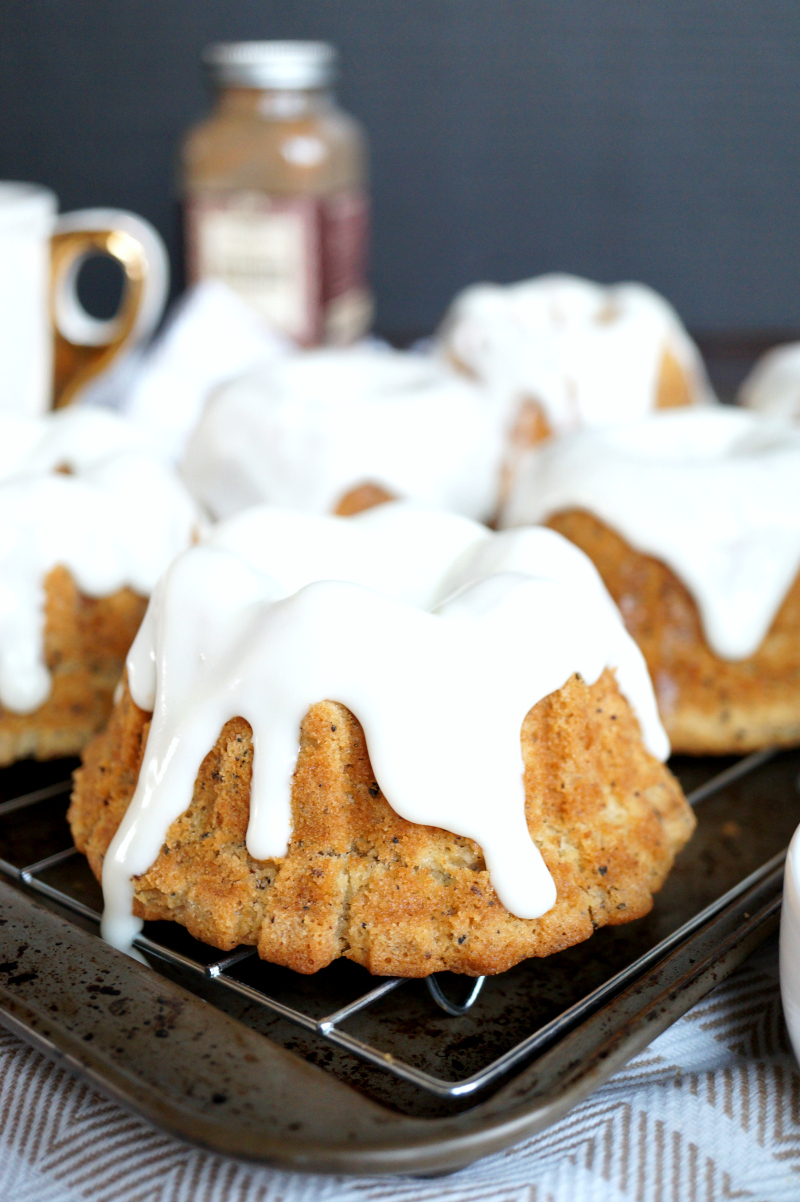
{"points": [[86, 641], [363, 496], [361, 882], [673, 389], [709, 706]]}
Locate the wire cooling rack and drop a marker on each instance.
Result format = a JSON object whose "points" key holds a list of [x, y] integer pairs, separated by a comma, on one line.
{"points": [[727, 860]]}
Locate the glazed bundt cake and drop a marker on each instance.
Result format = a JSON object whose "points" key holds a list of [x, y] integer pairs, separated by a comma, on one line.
{"points": [[773, 385], [397, 738], [340, 430], [89, 521], [693, 522], [561, 353], [579, 353]]}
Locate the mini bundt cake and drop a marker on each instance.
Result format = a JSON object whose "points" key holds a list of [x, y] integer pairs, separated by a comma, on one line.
{"points": [[396, 738], [86, 640], [773, 385], [693, 522], [90, 520], [560, 353], [338, 430], [341, 429]]}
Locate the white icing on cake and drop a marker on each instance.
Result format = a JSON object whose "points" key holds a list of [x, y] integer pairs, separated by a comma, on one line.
{"points": [[589, 355], [437, 634], [117, 519], [773, 386], [307, 429], [714, 493]]}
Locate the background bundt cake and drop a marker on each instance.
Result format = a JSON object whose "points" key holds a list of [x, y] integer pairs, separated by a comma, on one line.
{"points": [[709, 705], [573, 352], [86, 640], [90, 519], [341, 429], [693, 521]]}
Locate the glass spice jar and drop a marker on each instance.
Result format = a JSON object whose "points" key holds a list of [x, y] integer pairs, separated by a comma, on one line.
{"points": [[275, 191]]}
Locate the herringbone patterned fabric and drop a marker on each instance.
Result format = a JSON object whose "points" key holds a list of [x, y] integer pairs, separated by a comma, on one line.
{"points": [[710, 1111]]}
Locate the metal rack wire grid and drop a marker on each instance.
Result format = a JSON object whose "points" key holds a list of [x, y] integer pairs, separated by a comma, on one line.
{"points": [[329, 1027]]}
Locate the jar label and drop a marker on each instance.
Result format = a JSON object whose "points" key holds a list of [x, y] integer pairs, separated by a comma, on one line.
{"points": [[299, 261]]}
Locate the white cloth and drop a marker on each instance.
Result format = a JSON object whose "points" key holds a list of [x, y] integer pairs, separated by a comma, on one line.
{"points": [[211, 337], [708, 1112]]}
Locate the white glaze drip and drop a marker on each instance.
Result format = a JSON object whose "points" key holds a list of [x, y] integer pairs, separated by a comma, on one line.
{"points": [[116, 520], [438, 635], [714, 493], [590, 355], [307, 429]]}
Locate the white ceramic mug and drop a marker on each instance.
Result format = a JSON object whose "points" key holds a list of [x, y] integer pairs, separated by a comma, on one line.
{"points": [[790, 943], [50, 347]]}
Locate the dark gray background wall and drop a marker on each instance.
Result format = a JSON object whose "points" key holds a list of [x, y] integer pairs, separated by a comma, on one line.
{"points": [[648, 139]]}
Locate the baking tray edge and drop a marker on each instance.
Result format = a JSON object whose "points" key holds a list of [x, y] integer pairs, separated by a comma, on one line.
{"points": [[215, 1083]]}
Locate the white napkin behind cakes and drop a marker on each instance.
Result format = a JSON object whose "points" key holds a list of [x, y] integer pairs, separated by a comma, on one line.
{"points": [[211, 337]]}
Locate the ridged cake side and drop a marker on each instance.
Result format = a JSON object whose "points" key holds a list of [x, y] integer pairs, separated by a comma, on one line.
{"points": [[86, 640], [361, 882], [709, 705]]}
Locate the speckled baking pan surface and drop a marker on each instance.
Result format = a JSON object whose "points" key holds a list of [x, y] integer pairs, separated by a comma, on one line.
{"points": [[343, 1072]]}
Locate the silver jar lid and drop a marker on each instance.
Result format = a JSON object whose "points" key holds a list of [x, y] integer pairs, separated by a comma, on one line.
{"points": [[271, 64]]}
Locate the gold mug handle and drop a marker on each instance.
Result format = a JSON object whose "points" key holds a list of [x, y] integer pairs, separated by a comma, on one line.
{"points": [[87, 346]]}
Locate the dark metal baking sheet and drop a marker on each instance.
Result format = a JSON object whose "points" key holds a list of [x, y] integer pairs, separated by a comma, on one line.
{"points": [[235, 1076]]}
